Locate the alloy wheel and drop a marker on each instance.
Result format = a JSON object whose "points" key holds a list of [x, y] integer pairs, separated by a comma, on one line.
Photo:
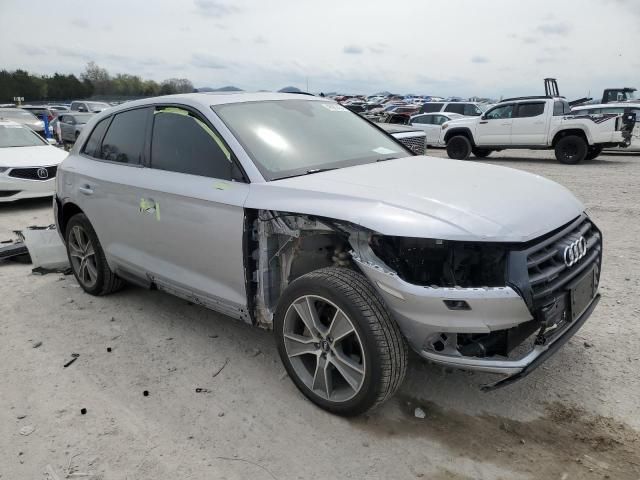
{"points": [[83, 256], [324, 348]]}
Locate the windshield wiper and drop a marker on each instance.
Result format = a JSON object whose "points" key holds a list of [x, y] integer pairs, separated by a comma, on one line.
{"points": [[318, 170]]}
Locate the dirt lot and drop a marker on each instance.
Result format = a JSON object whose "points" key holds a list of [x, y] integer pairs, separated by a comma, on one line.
{"points": [[578, 416]]}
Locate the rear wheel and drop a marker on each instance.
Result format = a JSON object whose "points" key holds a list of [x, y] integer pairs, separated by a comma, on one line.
{"points": [[481, 152], [459, 148], [571, 149], [338, 342], [87, 259], [593, 152]]}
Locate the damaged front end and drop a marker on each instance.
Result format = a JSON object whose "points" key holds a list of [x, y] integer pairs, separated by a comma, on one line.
{"points": [[498, 308]]}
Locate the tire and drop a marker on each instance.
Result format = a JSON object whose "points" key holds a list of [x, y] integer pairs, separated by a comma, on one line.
{"points": [[593, 153], [374, 348], [571, 149], [459, 147], [481, 152], [92, 271]]}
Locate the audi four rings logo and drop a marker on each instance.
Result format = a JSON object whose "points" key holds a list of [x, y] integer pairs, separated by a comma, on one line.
{"points": [[575, 251], [42, 173]]}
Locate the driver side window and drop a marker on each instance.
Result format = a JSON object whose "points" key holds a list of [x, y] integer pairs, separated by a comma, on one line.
{"points": [[504, 111]]}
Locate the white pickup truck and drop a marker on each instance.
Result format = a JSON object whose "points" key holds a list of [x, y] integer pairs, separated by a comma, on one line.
{"points": [[536, 123]]}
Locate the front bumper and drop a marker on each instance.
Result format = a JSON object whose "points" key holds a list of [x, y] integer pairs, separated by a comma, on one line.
{"points": [[12, 189]]}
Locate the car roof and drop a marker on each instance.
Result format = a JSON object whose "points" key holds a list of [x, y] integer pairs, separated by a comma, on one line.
{"points": [[207, 99]]}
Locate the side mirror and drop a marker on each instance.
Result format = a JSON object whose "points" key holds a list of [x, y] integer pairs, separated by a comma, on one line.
{"points": [[52, 141]]}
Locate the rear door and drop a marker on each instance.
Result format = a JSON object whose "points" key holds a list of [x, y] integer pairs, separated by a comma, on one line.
{"points": [[494, 128], [529, 125], [191, 209]]}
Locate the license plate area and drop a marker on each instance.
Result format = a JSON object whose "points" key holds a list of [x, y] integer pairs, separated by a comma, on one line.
{"points": [[581, 292]]}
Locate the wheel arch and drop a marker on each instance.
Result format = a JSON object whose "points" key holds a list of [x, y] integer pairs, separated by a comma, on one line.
{"points": [[459, 131], [66, 210], [570, 131]]}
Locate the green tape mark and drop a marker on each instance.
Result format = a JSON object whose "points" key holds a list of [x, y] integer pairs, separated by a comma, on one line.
{"points": [[157, 211], [222, 186]]}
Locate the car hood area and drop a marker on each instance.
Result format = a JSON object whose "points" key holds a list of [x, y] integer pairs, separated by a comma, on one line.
{"points": [[427, 197], [38, 156]]}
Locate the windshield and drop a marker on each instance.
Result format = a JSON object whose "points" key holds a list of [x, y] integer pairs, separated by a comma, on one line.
{"points": [[19, 136], [17, 114], [97, 106], [292, 137]]}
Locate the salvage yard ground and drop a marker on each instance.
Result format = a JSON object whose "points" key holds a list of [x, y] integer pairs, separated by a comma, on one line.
{"points": [[578, 416]]}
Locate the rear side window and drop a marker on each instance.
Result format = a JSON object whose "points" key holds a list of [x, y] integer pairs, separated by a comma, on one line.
{"points": [[455, 108], [124, 140], [422, 119], [560, 107], [471, 110], [92, 147], [431, 107], [181, 142], [530, 109]]}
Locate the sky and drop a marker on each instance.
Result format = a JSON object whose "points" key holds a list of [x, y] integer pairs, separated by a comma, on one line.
{"points": [[489, 48]]}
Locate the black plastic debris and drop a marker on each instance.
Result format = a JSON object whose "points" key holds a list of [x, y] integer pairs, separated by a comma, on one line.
{"points": [[83, 411], [202, 390], [109, 349], [73, 359], [145, 393], [13, 250]]}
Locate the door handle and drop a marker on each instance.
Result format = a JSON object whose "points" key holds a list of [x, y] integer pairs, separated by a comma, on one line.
{"points": [[484, 121], [86, 189]]}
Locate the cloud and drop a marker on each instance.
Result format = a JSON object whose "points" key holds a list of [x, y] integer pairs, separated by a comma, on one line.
{"points": [[352, 50], [529, 40], [78, 22], [260, 40], [215, 8], [479, 59], [378, 48], [30, 49], [204, 60], [561, 29]]}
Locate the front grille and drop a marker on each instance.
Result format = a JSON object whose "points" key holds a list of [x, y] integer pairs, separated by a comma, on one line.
{"points": [[548, 272], [415, 144], [32, 173]]}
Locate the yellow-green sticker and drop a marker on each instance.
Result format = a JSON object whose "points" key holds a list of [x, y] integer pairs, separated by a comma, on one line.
{"points": [[222, 186]]}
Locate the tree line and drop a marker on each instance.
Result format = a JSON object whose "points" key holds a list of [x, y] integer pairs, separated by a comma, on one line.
{"points": [[95, 81]]}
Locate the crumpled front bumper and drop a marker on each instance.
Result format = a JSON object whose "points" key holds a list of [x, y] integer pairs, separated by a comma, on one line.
{"points": [[421, 314]]}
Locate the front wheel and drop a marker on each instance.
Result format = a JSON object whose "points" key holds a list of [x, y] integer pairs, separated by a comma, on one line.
{"points": [[459, 148], [338, 342], [571, 149]]}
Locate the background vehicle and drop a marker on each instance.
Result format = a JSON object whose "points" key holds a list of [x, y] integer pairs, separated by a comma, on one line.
{"points": [[468, 109], [618, 109], [28, 164], [431, 124], [88, 106], [410, 137], [349, 252], [23, 117], [535, 122], [39, 111], [71, 124]]}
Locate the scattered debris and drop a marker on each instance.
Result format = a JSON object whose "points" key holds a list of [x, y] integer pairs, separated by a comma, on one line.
{"points": [[50, 473], [37, 344], [21, 417], [221, 414], [83, 411], [145, 393], [27, 430], [215, 335], [48, 253], [13, 250], [419, 413], [73, 359], [202, 390], [220, 369], [588, 345], [255, 352], [109, 349]]}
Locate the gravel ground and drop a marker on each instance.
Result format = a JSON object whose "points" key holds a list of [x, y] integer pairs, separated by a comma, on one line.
{"points": [[576, 417]]}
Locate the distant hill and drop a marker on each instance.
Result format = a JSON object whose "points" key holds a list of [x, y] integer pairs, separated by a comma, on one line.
{"points": [[289, 90], [229, 88]]}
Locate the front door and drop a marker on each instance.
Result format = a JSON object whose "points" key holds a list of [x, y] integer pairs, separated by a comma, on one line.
{"points": [[494, 127]]}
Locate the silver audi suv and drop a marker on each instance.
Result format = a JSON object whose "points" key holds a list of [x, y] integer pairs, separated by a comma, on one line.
{"points": [[291, 213]]}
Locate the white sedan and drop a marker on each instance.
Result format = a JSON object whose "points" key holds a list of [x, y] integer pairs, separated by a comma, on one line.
{"points": [[431, 123], [28, 164]]}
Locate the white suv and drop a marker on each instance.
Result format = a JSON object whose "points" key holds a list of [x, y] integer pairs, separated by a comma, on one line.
{"points": [[536, 123]]}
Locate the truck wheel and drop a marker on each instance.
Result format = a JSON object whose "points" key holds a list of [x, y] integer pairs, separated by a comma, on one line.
{"points": [[571, 149], [481, 152], [338, 342], [593, 152], [87, 259], [459, 148]]}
